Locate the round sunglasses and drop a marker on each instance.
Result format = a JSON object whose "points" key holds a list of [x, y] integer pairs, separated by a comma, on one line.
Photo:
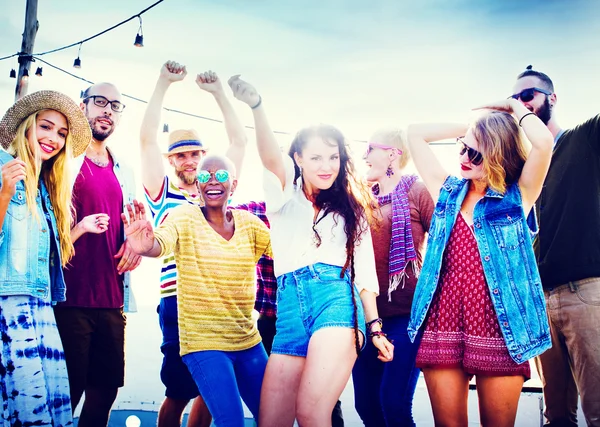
{"points": [[220, 175], [475, 157]]}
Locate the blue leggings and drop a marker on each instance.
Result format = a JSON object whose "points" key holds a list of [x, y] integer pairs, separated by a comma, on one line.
{"points": [[383, 392], [223, 376]]}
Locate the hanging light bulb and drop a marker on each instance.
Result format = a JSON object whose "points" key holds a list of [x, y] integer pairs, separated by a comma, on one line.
{"points": [[139, 38], [77, 62], [38, 72], [25, 74], [13, 74], [166, 128]]}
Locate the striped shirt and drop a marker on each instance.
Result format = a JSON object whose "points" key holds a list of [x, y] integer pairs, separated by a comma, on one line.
{"points": [[169, 197], [216, 296]]}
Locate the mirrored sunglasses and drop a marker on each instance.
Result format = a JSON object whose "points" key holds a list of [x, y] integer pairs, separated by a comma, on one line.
{"points": [[220, 175]]}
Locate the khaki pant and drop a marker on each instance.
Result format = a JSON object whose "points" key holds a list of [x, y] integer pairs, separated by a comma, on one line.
{"points": [[572, 365]]}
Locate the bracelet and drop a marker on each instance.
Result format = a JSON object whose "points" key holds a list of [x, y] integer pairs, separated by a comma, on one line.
{"points": [[525, 115], [260, 102], [377, 334], [372, 322]]}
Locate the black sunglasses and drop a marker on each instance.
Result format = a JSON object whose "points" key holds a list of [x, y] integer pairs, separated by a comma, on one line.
{"points": [[475, 157], [101, 102], [527, 95]]}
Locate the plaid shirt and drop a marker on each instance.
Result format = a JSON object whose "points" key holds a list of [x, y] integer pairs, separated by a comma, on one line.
{"points": [[266, 283]]}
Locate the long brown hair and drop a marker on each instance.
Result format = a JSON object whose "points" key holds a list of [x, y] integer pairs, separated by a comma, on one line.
{"points": [[348, 197]]}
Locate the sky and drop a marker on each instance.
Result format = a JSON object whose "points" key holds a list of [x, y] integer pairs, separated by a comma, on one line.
{"points": [[357, 65]]}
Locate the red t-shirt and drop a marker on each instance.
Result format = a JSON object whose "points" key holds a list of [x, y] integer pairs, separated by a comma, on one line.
{"points": [[91, 275]]}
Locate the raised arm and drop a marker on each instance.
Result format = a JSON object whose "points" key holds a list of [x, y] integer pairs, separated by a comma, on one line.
{"points": [[210, 82], [429, 167], [153, 170], [268, 148], [537, 163]]}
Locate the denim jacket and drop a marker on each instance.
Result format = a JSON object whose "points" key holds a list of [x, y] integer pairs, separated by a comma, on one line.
{"points": [[126, 180], [503, 237], [27, 264]]}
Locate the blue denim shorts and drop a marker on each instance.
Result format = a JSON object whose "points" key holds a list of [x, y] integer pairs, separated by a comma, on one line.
{"points": [[311, 298]]}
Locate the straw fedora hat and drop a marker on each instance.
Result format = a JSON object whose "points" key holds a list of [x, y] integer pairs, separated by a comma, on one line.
{"points": [[182, 140], [79, 128]]}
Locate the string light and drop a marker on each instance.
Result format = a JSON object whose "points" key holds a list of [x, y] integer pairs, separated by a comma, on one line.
{"points": [[38, 72], [77, 62], [185, 113], [25, 74], [13, 73], [139, 38]]}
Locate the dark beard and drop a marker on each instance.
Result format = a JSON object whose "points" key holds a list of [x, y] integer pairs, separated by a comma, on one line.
{"points": [[544, 113], [186, 179], [97, 134]]}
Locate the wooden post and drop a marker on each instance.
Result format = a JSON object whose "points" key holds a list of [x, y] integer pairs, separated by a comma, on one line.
{"points": [[29, 33]]}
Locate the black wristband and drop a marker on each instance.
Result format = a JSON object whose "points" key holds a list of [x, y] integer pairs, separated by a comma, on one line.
{"points": [[258, 103], [525, 115]]}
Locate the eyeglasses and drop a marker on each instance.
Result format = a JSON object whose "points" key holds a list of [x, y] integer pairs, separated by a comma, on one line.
{"points": [[372, 145], [221, 176], [101, 101], [527, 95], [475, 157]]}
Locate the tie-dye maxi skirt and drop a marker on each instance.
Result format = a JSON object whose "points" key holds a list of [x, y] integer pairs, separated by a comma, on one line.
{"points": [[34, 386]]}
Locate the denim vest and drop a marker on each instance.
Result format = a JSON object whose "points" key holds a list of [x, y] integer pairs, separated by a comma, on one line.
{"points": [[126, 180], [27, 266], [503, 238]]}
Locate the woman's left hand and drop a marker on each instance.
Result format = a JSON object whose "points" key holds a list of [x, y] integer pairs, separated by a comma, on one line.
{"points": [[507, 105], [386, 348], [95, 223]]}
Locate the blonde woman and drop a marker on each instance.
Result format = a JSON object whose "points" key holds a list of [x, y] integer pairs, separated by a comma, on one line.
{"points": [[39, 135], [479, 300], [383, 392]]}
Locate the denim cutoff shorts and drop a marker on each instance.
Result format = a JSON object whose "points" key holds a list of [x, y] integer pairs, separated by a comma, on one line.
{"points": [[311, 298]]}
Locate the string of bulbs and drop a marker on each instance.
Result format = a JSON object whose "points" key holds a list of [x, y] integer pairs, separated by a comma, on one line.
{"points": [[138, 42]]}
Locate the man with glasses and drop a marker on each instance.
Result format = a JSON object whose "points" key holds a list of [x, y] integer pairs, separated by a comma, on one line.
{"points": [[568, 251], [92, 320]]}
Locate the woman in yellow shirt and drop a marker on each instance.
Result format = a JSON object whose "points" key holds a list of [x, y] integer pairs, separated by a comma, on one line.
{"points": [[216, 250]]}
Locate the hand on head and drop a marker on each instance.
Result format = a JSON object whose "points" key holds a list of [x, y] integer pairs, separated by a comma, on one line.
{"points": [[506, 105], [243, 90], [173, 71], [12, 172], [209, 81]]}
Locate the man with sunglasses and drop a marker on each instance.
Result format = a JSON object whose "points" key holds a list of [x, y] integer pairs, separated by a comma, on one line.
{"points": [[568, 252], [92, 320]]}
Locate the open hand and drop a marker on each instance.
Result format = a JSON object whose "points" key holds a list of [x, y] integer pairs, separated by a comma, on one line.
{"points": [[243, 90], [209, 81], [139, 233], [12, 172], [173, 71]]}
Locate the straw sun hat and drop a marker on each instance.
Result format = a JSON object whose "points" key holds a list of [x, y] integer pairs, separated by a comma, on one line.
{"points": [[79, 129]]}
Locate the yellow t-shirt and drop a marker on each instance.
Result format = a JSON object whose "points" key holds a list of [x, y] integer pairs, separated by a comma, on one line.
{"points": [[216, 278]]}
